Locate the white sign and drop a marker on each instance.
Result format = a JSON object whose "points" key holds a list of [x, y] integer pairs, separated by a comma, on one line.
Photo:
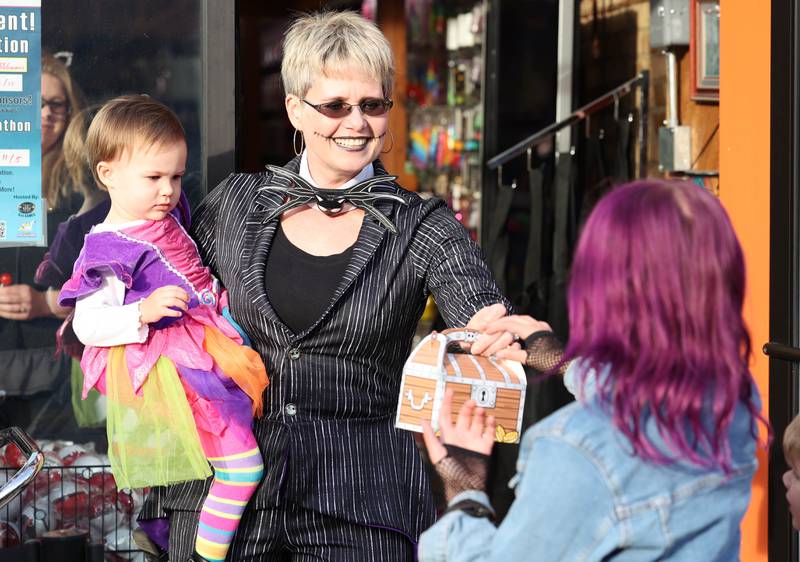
{"points": [[13, 64], [10, 82], [15, 158]]}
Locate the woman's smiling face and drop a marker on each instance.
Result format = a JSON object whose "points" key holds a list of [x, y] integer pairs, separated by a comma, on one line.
{"points": [[339, 148]]}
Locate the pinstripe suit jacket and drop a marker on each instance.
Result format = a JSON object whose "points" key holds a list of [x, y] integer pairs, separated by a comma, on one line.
{"points": [[327, 432]]}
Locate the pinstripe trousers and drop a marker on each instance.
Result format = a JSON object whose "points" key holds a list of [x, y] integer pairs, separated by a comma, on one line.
{"points": [[296, 534]]}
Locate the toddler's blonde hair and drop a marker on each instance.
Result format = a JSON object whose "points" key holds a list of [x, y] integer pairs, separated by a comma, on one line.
{"points": [[129, 122]]}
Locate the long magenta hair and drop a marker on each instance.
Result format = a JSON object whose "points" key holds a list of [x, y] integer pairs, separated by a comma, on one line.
{"points": [[656, 295]]}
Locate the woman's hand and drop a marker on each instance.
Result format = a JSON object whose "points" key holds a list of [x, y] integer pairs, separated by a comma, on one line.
{"points": [[163, 302], [473, 430], [487, 344], [22, 302], [514, 328]]}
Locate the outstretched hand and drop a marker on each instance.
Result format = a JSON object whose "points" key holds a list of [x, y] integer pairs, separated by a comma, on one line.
{"points": [[520, 327], [488, 344], [473, 430]]}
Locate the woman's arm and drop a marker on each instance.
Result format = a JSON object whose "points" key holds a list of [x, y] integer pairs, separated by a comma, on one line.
{"points": [[542, 350], [56, 309], [204, 222], [454, 269]]}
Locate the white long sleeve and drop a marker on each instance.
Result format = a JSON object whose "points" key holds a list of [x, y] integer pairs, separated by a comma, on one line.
{"points": [[102, 320]]}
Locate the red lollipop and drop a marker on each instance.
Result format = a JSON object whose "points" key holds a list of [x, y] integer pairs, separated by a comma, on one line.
{"points": [[6, 279]]}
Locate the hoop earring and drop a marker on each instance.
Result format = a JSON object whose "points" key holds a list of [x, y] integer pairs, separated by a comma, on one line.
{"points": [[294, 142], [391, 136]]}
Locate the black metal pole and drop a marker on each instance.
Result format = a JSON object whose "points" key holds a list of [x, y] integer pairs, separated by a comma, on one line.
{"points": [[644, 114], [783, 304]]}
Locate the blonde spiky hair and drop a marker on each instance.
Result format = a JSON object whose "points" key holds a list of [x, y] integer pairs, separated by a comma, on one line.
{"points": [[324, 43]]}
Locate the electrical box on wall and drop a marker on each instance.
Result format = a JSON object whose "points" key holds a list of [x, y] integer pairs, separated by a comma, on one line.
{"points": [[669, 23], [674, 148]]}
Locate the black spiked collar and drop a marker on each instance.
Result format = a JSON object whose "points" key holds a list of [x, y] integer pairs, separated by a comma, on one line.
{"points": [[330, 201]]}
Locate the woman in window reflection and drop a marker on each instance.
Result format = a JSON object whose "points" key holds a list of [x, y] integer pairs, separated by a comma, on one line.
{"points": [[28, 320], [61, 98], [56, 267], [330, 292]]}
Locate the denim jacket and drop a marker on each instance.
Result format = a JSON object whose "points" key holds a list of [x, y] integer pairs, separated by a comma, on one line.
{"points": [[582, 496]]}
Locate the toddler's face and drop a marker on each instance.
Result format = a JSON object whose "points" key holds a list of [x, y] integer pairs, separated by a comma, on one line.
{"points": [[791, 479], [145, 184]]}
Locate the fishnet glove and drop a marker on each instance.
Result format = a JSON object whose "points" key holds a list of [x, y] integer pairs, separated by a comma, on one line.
{"points": [[462, 470], [544, 352]]}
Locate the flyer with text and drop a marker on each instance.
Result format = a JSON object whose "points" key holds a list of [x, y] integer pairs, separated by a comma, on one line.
{"points": [[23, 213]]}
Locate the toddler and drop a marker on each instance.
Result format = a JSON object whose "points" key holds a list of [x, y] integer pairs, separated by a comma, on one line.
{"points": [[182, 389]]}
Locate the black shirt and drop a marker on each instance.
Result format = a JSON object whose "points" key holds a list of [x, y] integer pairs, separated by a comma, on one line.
{"points": [[299, 285]]}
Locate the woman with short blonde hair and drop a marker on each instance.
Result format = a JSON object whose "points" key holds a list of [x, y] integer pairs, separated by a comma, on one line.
{"points": [[328, 263]]}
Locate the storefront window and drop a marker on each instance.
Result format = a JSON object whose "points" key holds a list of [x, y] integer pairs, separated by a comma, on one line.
{"points": [[148, 47], [91, 52]]}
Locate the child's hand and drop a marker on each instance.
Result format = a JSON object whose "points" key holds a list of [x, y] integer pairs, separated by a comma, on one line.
{"points": [[473, 430], [163, 302]]}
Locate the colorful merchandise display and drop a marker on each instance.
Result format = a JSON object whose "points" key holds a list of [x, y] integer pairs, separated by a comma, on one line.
{"points": [[445, 102]]}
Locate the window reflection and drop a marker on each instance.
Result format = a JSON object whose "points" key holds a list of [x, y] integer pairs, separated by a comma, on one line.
{"points": [[101, 50], [147, 47]]}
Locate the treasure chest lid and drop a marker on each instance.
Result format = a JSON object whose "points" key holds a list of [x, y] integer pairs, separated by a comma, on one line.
{"points": [[438, 355]]}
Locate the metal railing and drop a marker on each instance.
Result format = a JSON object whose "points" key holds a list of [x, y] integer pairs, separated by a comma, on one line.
{"points": [[640, 82]]}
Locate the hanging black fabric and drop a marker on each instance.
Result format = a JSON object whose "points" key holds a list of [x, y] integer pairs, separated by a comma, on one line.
{"points": [[534, 294], [598, 177], [497, 247], [564, 187], [622, 160], [595, 179], [553, 232], [551, 199]]}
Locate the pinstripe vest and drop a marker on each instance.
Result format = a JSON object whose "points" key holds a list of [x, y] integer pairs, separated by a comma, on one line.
{"points": [[327, 433]]}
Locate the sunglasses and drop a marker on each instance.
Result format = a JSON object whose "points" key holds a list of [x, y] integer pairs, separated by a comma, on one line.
{"points": [[372, 107]]}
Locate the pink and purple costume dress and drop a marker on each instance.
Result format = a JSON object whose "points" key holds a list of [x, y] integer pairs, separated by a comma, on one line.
{"points": [[203, 370], [182, 392]]}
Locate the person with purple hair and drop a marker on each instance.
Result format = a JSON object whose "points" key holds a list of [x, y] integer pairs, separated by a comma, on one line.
{"points": [[654, 460]]}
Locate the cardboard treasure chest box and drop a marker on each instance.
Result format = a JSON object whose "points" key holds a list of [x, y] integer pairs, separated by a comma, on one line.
{"points": [[439, 363]]}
